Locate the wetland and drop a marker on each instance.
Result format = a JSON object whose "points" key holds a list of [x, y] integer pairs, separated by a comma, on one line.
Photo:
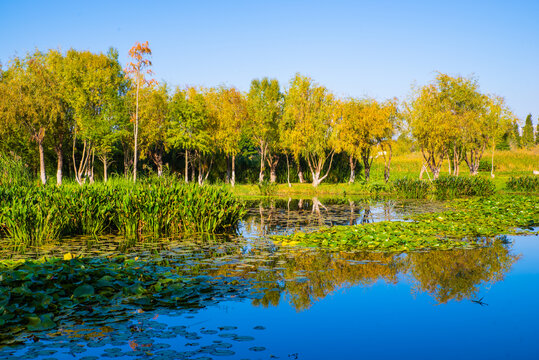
{"points": [[242, 295]]}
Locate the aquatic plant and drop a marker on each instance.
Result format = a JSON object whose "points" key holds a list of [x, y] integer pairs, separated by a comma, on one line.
{"points": [[523, 183], [34, 294], [447, 187], [411, 188], [469, 224], [30, 216], [267, 188]]}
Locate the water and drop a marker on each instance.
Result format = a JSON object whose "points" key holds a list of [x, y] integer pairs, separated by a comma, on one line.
{"points": [[310, 304]]}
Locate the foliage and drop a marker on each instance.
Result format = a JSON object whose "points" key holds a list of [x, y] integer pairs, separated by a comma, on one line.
{"points": [[13, 172], [306, 130], [523, 183], [267, 188], [470, 224], [527, 133]]}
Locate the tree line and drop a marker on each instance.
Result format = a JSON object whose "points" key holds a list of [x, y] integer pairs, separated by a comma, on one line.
{"points": [[79, 106]]}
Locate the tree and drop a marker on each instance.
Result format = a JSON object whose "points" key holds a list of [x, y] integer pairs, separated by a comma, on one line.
{"points": [[308, 119], [228, 107], [264, 106], [137, 70], [527, 132], [29, 102], [498, 121], [537, 133], [93, 86], [154, 116], [193, 129], [427, 116], [450, 117], [362, 125]]}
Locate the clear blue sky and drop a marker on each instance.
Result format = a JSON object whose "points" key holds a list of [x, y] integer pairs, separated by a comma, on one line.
{"points": [[377, 48]]}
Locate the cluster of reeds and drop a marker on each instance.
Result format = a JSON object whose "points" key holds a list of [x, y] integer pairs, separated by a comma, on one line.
{"points": [[447, 187], [523, 183], [411, 188], [30, 216]]}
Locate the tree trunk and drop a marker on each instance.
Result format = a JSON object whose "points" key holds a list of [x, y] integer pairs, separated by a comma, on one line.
{"points": [[288, 172], [227, 180], [262, 166], [186, 165], [273, 160], [387, 161], [42, 174], [136, 134], [352, 170], [233, 178], [60, 164], [105, 169], [300, 171], [367, 162]]}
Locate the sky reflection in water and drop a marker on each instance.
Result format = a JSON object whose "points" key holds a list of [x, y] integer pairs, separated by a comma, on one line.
{"points": [[308, 304]]}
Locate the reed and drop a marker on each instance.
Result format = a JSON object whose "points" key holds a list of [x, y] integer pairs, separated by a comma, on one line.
{"points": [[523, 183], [448, 187], [411, 188], [31, 216]]}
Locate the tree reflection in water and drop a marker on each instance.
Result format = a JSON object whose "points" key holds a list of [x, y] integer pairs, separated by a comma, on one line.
{"points": [[304, 276]]}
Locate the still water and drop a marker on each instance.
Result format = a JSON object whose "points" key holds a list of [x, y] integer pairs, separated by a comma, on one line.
{"points": [[273, 303]]}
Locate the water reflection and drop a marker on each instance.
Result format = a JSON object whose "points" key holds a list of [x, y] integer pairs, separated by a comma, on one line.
{"points": [[303, 277], [278, 216]]}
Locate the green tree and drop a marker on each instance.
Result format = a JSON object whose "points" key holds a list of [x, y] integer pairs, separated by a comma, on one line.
{"points": [[264, 105], [308, 117], [498, 120], [154, 118], [29, 102], [193, 129], [363, 125], [527, 132], [93, 85], [427, 118], [228, 106]]}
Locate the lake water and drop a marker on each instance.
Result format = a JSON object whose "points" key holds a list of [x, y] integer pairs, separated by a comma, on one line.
{"points": [[298, 303]]}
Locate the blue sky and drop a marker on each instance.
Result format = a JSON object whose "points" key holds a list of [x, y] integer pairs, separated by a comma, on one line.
{"points": [[355, 48]]}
